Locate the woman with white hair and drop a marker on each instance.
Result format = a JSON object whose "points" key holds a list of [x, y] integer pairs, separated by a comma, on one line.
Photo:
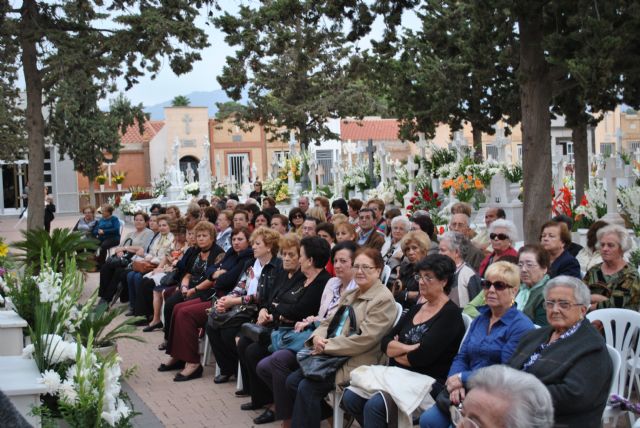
{"points": [[614, 283], [400, 226], [569, 355], [503, 235], [466, 283]]}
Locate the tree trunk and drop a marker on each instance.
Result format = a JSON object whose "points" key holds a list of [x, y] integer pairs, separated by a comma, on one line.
{"points": [[477, 144], [580, 159], [34, 118], [92, 192], [535, 97]]}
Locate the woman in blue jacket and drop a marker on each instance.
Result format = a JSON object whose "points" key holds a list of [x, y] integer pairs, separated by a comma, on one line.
{"points": [[107, 231]]}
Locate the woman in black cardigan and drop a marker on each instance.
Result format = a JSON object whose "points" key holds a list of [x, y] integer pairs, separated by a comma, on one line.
{"points": [[299, 288], [569, 356], [425, 340]]}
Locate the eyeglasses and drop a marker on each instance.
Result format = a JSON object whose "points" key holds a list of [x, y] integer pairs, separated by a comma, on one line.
{"points": [[499, 236], [363, 268], [423, 278], [498, 285], [527, 265], [297, 216], [563, 304], [460, 421]]}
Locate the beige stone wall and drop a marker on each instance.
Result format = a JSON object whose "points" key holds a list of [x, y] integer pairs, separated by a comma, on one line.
{"points": [[190, 125]]}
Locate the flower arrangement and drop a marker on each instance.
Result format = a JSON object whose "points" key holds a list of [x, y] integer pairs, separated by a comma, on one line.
{"points": [[512, 173], [630, 201], [127, 205], [101, 179], [139, 193], [119, 176], [562, 201], [192, 189], [218, 188], [464, 186], [293, 164], [160, 185], [484, 171], [592, 207], [358, 178], [383, 191], [424, 199], [276, 188]]}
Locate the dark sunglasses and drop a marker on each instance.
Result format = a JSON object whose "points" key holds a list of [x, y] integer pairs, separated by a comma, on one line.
{"points": [[500, 236], [498, 285], [297, 216]]}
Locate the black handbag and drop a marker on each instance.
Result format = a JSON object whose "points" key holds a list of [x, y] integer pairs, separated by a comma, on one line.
{"points": [[256, 333], [322, 367], [443, 403], [234, 317], [121, 261]]}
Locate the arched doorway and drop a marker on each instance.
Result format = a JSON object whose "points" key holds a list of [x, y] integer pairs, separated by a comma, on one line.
{"points": [[189, 168]]}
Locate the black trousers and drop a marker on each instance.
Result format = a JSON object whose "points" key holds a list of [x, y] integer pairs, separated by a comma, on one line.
{"points": [[170, 303], [108, 242], [250, 354], [144, 298], [309, 408], [110, 276], [223, 345]]}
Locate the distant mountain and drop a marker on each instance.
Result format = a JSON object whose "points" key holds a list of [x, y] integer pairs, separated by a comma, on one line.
{"points": [[198, 99]]}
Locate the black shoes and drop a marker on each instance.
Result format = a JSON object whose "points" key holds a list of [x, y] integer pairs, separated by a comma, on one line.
{"points": [[162, 346], [178, 365], [242, 393], [152, 327], [221, 378], [249, 406], [266, 417], [195, 375]]}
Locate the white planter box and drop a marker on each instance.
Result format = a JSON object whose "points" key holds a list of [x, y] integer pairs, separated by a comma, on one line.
{"points": [[11, 340], [19, 381]]}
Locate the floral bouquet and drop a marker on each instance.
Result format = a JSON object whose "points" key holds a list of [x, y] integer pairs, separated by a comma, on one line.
{"points": [[464, 186], [424, 199], [592, 207], [562, 201], [293, 164], [160, 185], [357, 178], [630, 200], [119, 176], [383, 191], [276, 188], [192, 189]]}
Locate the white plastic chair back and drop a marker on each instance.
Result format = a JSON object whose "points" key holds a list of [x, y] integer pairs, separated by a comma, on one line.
{"points": [[616, 361], [384, 276], [400, 310], [467, 320]]}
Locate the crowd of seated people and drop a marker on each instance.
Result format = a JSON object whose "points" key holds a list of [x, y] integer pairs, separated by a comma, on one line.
{"points": [[264, 286]]}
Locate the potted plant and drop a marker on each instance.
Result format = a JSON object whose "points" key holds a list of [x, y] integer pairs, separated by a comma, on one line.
{"points": [[101, 322], [101, 179], [118, 178]]}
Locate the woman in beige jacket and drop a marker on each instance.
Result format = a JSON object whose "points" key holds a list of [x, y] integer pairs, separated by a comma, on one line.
{"points": [[375, 312]]}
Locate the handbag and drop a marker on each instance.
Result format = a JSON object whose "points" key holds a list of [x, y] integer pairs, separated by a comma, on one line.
{"points": [[121, 261], [234, 317], [169, 280], [323, 368], [143, 266], [288, 338], [443, 403], [256, 333]]}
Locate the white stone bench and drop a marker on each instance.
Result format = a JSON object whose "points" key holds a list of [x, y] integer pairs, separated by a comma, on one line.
{"points": [[11, 337], [19, 381]]}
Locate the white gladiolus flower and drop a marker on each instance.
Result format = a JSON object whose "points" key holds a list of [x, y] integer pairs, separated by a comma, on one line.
{"points": [[68, 392], [109, 417], [51, 380], [28, 350]]}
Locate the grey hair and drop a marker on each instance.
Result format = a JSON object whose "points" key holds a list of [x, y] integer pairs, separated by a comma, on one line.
{"points": [[406, 223], [420, 213], [530, 401], [580, 290], [613, 229], [457, 241], [512, 232]]}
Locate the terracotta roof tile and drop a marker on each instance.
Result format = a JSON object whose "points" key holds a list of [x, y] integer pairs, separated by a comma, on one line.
{"points": [[376, 129], [133, 135]]}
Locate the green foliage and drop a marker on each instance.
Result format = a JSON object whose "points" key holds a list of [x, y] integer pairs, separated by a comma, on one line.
{"points": [[180, 101], [101, 323], [22, 289], [63, 243], [229, 108], [440, 157], [512, 173]]}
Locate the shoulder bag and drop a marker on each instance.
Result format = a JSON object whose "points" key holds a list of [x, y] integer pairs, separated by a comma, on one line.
{"points": [[322, 367], [234, 317]]}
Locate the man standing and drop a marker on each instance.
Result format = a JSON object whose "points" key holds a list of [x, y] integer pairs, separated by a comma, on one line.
{"points": [[481, 240], [303, 203], [460, 223], [368, 235]]}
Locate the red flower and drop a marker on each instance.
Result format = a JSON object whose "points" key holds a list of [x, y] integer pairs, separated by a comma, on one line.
{"points": [[416, 194], [438, 203], [413, 200], [409, 207], [441, 230], [584, 201], [435, 194]]}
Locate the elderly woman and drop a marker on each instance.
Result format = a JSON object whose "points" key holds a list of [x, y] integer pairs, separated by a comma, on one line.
{"points": [[107, 231], [425, 340], [466, 283], [86, 222], [569, 356], [258, 279], [223, 226], [491, 339], [502, 234], [190, 316], [589, 256], [134, 242], [400, 226], [404, 287], [375, 313], [261, 219], [296, 218], [533, 261], [555, 237], [346, 232], [274, 369], [614, 283], [293, 300]]}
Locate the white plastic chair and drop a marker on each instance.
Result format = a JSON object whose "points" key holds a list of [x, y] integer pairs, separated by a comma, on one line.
{"points": [[467, 320], [622, 332], [336, 397], [386, 273]]}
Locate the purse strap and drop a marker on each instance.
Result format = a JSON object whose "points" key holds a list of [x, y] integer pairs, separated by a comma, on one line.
{"points": [[337, 322]]}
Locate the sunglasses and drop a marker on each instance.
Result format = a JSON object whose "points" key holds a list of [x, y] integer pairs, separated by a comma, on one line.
{"points": [[297, 216], [498, 285], [499, 236]]}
